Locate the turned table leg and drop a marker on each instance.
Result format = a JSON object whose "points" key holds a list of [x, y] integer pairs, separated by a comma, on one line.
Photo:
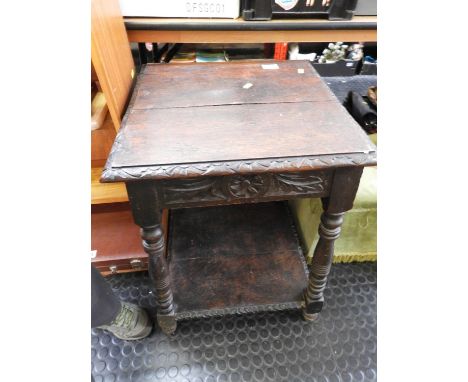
{"points": [[154, 245], [329, 230], [146, 213], [341, 198]]}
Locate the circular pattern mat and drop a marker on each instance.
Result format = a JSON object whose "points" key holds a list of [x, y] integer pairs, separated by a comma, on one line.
{"points": [[278, 346]]}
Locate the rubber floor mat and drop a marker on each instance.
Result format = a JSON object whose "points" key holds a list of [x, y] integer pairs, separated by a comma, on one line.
{"points": [[277, 346]]}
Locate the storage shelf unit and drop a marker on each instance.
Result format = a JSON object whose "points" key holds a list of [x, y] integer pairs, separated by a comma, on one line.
{"points": [[141, 29]]}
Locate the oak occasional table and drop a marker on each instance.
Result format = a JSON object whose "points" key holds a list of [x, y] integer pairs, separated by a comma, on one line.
{"points": [[222, 146]]}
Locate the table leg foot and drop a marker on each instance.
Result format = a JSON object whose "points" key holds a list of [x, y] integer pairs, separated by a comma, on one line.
{"points": [[167, 323], [309, 316]]}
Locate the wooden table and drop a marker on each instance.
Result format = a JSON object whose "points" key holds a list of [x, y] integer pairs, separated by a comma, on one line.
{"points": [[218, 137]]}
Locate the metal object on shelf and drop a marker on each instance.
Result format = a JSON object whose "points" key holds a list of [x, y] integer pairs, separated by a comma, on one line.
{"points": [[113, 269], [366, 8], [136, 264]]}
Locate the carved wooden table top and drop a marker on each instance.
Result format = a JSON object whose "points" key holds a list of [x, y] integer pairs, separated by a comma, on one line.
{"points": [[222, 118], [214, 135]]}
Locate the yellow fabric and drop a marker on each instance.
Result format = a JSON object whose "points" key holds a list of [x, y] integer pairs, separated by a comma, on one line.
{"points": [[358, 239]]}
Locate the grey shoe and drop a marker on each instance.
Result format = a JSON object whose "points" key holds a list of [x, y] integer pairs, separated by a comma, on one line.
{"points": [[132, 323]]}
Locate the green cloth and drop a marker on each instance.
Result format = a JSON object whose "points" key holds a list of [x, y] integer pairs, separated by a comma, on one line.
{"points": [[358, 239]]}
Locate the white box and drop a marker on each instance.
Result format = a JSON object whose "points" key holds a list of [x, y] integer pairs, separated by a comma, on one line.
{"points": [[227, 9]]}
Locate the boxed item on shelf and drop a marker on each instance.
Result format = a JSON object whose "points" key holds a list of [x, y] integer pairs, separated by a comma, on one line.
{"points": [[184, 58], [115, 239], [235, 52], [218, 52], [336, 59], [210, 56], [228, 9], [366, 8], [369, 66], [267, 9], [115, 243], [339, 68]]}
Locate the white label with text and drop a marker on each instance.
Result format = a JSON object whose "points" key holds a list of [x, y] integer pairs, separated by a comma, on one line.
{"points": [[181, 8]]}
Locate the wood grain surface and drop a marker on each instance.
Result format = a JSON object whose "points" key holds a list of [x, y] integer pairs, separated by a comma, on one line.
{"points": [[252, 36], [111, 56], [102, 140], [215, 120], [185, 85], [102, 193], [235, 132], [234, 256], [114, 235]]}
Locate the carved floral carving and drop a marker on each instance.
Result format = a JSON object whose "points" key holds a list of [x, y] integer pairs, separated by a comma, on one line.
{"points": [[247, 186], [300, 182], [227, 188]]}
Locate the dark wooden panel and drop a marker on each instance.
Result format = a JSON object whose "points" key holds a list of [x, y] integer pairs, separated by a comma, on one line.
{"points": [[236, 132], [185, 85], [233, 256], [243, 188], [293, 134], [230, 68]]}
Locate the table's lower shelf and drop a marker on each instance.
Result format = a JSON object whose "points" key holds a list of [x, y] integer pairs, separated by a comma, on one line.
{"points": [[235, 259]]}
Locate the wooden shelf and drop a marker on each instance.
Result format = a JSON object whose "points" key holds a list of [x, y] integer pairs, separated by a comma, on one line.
{"points": [[235, 258], [142, 29], [106, 192]]}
